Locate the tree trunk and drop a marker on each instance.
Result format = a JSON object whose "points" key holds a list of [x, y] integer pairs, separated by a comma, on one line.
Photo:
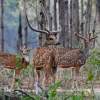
{"points": [[71, 28], [69, 40], [19, 43], [25, 26], [55, 14], [88, 16], [2, 25], [98, 9], [48, 14], [42, 23], [62, 21], [26, 33], [82, 23], [66, 24], [75, 22]]}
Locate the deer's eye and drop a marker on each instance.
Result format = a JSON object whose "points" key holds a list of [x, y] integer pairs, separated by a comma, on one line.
{"points": [[51, 39]]}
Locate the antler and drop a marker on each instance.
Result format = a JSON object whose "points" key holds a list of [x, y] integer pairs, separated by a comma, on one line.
{"points": [[85, 38], [52, 32], [92, 38], [47, 30], [36, 30], [80, 36]]}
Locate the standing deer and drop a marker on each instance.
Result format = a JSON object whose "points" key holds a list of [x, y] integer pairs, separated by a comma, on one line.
{"points": [[64, 57], [75, 57], [43, 58], [9, 61]]}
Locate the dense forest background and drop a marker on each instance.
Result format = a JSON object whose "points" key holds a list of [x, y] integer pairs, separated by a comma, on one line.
{"points": [[66, 16]]}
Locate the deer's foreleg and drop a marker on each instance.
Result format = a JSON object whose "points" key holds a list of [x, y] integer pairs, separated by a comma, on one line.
{"points": [[75, 77], [77, 72], [49, 76], [37, 82], [53, 75], [46, 78], [38, 75]]}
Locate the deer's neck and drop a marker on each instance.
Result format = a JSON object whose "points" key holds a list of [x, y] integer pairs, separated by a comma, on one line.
{"points": [[86, 51], [26, 57]]}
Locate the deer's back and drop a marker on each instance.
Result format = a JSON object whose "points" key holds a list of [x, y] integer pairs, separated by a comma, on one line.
{"points": [[69, 57], [10, 61], [42, 57]]}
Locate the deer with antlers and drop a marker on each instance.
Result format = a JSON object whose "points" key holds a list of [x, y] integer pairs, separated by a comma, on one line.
{"points": [[64, 57], [43, 58], [9, 61], [75, 57]]}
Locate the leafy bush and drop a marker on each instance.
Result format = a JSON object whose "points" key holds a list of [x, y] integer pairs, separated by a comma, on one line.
{"points": [[18, 61], [93, 63]]}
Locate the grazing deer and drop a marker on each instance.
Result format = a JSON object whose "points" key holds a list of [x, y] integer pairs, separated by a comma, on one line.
{"points": [[9, 62]]}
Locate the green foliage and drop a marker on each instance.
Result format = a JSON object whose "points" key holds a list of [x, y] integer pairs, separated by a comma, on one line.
{"points": [[75, 96], [37, 97], [90, 76], [93, 63], [28, 70], [52, 92], [94, 59], [17, 83], [54, 86], [26, 98], [18, 61]]}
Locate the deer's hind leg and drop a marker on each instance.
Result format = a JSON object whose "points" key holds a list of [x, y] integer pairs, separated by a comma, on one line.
{"points": [[75, 77]]}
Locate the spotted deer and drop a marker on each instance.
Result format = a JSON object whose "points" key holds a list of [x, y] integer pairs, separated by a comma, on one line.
{"points": [[9, 62], [43, 58], [51, 57], [63, 57], [75, 57]]}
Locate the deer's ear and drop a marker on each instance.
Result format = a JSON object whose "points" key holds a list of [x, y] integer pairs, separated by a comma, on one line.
{"points": [[20, 49], [55, 33], [29, 49], [76, 34], [58, 43]]}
